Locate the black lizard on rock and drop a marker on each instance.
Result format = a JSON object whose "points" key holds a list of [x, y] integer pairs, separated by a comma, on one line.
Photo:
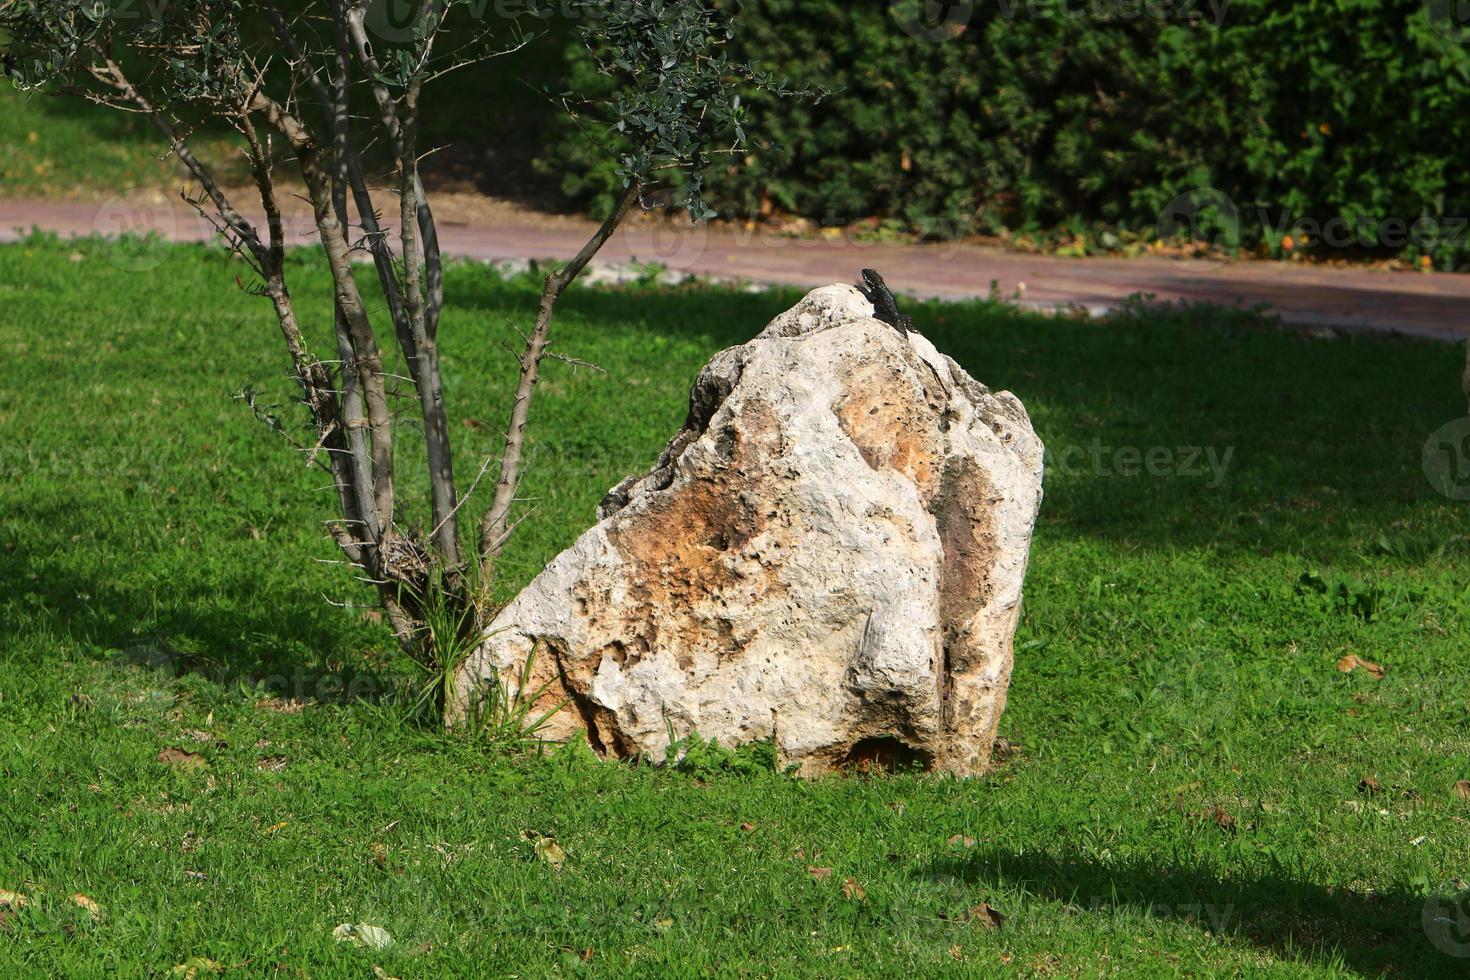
{"points": [[885, 307]]}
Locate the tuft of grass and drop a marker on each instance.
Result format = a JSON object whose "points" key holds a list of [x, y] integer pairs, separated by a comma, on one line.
{"points": [[1191, 787]]}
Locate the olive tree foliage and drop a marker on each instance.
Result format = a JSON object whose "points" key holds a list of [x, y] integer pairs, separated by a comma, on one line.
{"points": [[310, 86]]}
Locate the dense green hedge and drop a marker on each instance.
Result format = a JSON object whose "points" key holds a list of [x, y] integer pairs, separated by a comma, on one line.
{"points": [[1088, 114]]}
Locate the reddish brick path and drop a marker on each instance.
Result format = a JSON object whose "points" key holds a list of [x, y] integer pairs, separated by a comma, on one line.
{"points": [[1436, 305]]}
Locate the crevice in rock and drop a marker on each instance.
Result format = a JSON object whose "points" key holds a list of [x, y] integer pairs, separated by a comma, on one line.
{"points": [[946, 684], [885, 753], [603, 743]]}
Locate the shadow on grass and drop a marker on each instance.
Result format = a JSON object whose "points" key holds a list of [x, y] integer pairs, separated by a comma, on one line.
{"points": [[1264, 439], [1380, 934], [281, 643], [1323, 439]]}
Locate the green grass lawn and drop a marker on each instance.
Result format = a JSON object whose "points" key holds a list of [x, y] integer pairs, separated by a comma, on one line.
{"points": [[1183, 794], [52, 147]]}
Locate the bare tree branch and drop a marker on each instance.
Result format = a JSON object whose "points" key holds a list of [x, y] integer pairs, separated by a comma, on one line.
{"points": [[495, 528]]}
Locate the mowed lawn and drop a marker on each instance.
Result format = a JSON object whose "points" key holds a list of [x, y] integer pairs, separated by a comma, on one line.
{"points": [[1192, 785]]}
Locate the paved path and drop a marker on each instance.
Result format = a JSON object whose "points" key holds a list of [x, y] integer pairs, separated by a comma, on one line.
{"points": [[1411, 303]]}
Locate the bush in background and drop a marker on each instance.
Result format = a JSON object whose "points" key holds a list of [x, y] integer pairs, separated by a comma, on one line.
{"points": [[1093, 115]]}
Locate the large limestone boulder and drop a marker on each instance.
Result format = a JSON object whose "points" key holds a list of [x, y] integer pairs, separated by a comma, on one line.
{"points": [[828, 554]]}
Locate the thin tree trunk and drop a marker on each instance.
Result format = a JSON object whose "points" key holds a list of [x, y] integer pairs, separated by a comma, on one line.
{"points": [[494, 529], [423, 273], [425, 363], [368, 359]]}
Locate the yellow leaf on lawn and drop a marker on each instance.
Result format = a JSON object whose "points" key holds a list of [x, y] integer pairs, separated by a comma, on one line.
{"points": [[1352, 662], [87, 905], [548, 850]]}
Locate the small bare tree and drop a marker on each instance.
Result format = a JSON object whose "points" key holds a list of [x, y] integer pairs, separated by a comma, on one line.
{"points": [[311, 84]]}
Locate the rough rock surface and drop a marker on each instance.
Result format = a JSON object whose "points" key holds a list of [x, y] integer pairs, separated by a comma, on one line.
{"points": [[829, 554]]}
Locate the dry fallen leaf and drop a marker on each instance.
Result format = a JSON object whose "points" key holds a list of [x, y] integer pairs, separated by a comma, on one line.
{"points": [[181, 759], [381, 974], [1352, 662], [962, 839], [898, 806], [1369, 786], [1462, 789], [87, 905], [956, 953], [196, 966], [853, 891], [272, 763], [362, 934], [747, 826], [1217, 815], [548, 850], [12, 900], [819, 874], [986, 916]]}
